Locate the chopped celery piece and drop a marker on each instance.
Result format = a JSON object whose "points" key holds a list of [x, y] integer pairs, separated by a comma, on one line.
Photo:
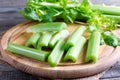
{"points": [[28, 52], [57, 53], [73, 38], [57, 36], [74, 52], [93, 47], [44, 39], [50, 26], [32, 41]]}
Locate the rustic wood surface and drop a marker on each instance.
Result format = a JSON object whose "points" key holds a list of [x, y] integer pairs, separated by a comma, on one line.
{"points": [[9, 16]]}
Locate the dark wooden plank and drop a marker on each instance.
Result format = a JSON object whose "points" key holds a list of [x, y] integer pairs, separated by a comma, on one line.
{"points": [[8, 23], [10, 13], [113, 72], [117, 78], [16, 75], [12, 3]]}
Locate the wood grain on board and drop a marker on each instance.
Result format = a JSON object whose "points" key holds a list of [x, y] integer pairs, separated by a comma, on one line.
{"points": [[107, 57]]}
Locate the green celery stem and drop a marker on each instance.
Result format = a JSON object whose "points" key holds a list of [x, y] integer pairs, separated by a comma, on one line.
{"points": [[50, 26], [73, 38], [28, 52], [74, 52], [110, 10], [57, 36], [93, 47], [32, 41], [57, 53], [44, 39]]}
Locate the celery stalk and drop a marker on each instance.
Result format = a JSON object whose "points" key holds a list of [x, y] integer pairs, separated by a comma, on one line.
{"points": [[110, 10], [28, 52], [57, 53], [44, 39], [74, 52], [57, 36], [73, 38], [50, 26], [32, 41], [93, 47]]}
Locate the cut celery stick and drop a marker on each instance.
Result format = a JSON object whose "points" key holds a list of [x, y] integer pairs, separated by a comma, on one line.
{"points": [[51, 26], [73, 38], [44, 39], [57, 36], [74, 52], [93, 47], [57, 53], [28, 52], [32, 41]]}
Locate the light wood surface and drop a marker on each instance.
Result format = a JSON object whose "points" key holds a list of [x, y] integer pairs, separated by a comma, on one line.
{"points": [[107, 57]]}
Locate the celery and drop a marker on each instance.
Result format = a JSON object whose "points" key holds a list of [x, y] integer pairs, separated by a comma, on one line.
{"points": [[73, 52], [73, 38], [109, 38], [57, 53], [93, 47], [110, 10], [70, 12], [28, 52], [44, 39], [32, 41], [50, 26], [57, 36], [113, 16]]}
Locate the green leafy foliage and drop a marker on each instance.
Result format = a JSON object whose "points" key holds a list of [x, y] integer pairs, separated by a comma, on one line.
{"points": [[110, 38], [50, 10], [99, 22]]}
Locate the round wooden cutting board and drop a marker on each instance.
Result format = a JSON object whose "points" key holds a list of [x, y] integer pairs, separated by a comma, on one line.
{"points": [[107, 57]]}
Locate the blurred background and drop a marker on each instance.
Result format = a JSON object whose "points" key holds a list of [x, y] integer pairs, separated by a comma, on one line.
{"points": [[21, 3]]}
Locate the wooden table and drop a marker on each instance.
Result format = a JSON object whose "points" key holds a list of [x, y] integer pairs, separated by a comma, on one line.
{"points": [[9, 17]]}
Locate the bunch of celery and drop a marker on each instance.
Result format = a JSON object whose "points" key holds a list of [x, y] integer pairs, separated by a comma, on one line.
{"points": [[67, 10]]}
